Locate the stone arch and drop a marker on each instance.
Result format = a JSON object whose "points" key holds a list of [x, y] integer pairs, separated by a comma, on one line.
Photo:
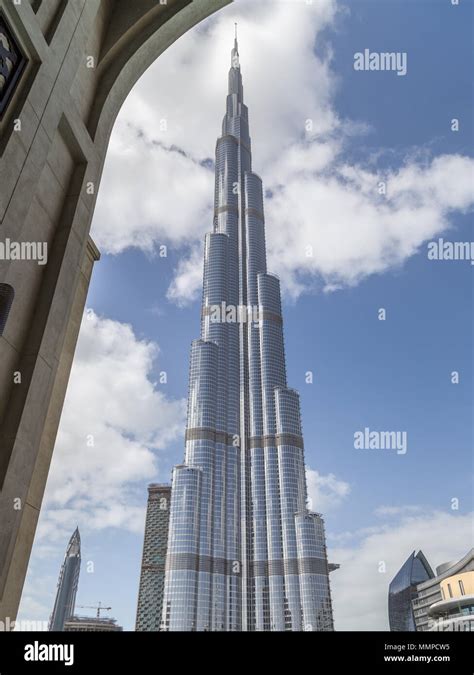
{"points": [[55, 132]]}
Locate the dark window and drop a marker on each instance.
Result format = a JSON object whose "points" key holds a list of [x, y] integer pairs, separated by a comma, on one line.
{"points": [[461, 587], [6, 298], [12, 63], [450, 591]]}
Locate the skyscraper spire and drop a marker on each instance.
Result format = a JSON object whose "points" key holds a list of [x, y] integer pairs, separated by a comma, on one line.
{"points": [[235, 52], [244, 553]]}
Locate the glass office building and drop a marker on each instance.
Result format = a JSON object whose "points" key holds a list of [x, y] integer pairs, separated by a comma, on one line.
{"points": [[67, 584], [152, 576], [445, 602], [244, 552], [403, 590]]}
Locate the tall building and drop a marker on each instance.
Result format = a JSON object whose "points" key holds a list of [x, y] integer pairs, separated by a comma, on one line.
{"points": [[67, 584], [244, 553], [446, 602], [402, 591], [152, 577]]}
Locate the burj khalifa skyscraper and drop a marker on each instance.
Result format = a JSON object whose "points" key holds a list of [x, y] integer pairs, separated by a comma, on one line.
{"points": [[244, 552]]}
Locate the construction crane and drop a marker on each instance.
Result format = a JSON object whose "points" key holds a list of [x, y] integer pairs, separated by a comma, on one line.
{"points": [[98, 607]]}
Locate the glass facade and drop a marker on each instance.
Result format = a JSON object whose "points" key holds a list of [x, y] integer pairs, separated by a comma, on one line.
{"points": [[244, 554], [152, 577], [67, 584], [403, 590]]}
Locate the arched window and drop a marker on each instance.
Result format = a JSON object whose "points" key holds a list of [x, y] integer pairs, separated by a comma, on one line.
{"points": [[6, 299]]}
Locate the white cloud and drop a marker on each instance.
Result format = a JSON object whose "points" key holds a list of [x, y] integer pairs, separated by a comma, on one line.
{"points": [[360, 590], [383, 511], [157, 185], [186, 87], [325, 492], [37, 600], [158, 189], [114, 421], [151, 194], [355, 232], [187, 282]]}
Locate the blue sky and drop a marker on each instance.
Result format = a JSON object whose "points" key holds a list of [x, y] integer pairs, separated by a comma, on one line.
{"points": [[385, 375]]}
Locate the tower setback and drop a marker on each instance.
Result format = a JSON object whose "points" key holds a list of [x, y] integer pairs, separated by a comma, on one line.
{"points": [[244, 552]]}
